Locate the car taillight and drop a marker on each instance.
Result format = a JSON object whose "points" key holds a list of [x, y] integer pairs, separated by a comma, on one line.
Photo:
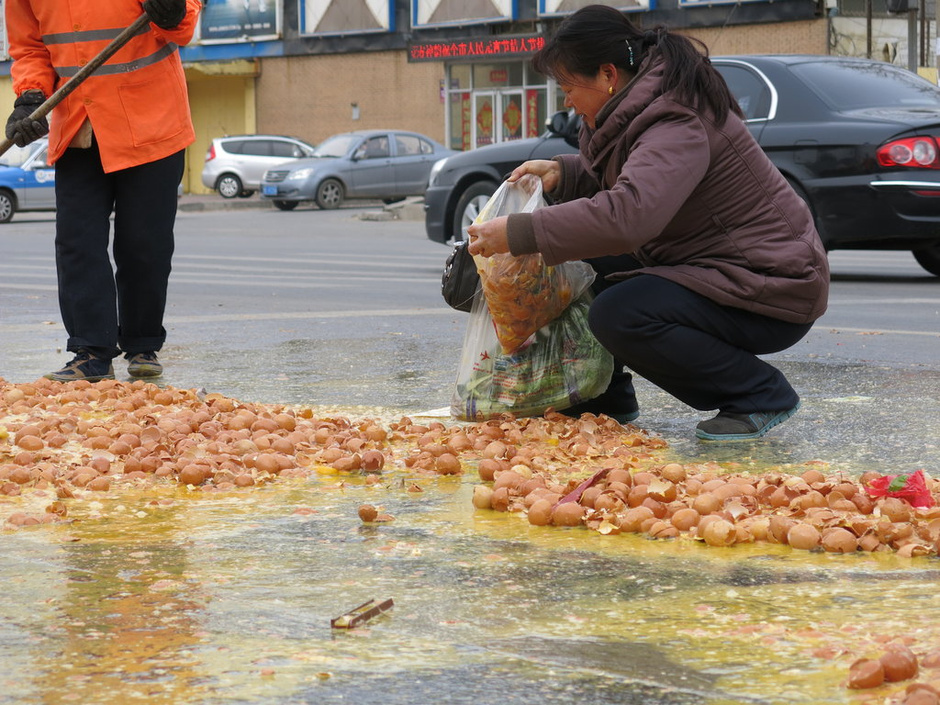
{"points": [[210, 155], [920, 152]]}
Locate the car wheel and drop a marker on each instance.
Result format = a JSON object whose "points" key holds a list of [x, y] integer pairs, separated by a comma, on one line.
{"points": [[469, 206], [928, 258], [286, 205], [7, 206], [329, 194], [246, 193], [229, 186]]}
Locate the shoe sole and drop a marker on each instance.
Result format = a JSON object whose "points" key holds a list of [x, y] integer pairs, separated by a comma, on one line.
{"points": [[775, 421], [626, 418], [146, 372], [70, 378]]}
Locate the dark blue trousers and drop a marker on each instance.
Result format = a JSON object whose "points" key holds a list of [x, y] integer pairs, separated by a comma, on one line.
{"points": [[121, 308], [703, 354]]}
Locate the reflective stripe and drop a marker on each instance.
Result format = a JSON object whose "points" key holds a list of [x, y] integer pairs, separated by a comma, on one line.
{"points": [[126, 67], [94, 35]]}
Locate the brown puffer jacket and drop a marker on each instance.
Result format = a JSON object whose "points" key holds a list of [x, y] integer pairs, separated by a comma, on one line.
{"points": [[695, 203]]}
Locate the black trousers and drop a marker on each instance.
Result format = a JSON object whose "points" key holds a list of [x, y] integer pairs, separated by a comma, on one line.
{"points": [[700, 352], [120, 308]]}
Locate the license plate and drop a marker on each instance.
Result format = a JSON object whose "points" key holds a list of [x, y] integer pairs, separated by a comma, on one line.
{"points": [[269, 190]]}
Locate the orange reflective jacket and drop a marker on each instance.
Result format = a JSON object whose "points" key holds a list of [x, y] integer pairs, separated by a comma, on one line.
{"points": [[137, 101]]}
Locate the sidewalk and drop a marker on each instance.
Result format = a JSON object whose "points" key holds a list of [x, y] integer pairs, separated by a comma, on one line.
{"points": [[409, 209]]}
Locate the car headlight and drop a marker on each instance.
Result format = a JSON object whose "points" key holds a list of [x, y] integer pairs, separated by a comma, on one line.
{"points": [[299, 174], [435, 170]]}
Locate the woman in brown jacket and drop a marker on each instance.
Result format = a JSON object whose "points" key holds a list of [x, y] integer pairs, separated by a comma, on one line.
{"points": [[706, 258]]}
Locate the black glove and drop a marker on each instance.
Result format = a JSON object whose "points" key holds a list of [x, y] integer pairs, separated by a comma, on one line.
{"points": [[166, 14], [20, 129]]}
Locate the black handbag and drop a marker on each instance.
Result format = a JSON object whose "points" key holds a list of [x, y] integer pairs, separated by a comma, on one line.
{"points": [[460, 281]]}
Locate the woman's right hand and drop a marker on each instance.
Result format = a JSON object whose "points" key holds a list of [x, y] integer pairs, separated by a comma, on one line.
{"points": [[548, 170]]}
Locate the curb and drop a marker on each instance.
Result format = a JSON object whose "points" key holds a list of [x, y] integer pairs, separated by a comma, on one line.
{"points": [[409, 209]]}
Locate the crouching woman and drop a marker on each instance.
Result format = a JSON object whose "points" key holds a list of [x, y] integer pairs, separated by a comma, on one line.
{"points": [[706, 257]]}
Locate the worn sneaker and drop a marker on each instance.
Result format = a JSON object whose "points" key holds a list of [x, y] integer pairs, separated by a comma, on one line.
{"points": [[144, 364], [623, 408], [741, 427], [85, 365]]}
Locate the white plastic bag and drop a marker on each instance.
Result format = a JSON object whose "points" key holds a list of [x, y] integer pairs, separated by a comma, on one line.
{"points": [[561, 365], [523, 293]]}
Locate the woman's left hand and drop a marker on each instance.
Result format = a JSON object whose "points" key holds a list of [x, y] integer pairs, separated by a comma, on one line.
{"points": [[489, 238]]}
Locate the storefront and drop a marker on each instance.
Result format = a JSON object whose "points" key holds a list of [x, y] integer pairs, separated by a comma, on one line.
{"points": [[490, 91]]}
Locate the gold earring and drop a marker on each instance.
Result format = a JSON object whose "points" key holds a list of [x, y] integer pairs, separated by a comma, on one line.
{"points": [[610, 90]]}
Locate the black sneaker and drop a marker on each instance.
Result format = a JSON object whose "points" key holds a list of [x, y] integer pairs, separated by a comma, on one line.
{"points": [[622, 408], [741, 427], [144, 364], [85, 365]]}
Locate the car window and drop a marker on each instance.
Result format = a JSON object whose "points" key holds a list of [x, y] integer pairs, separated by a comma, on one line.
{"points": [[258, 148], [751, 91], [285, 149], [233, 146], [335, 146], [410, 145], [15, 156], [853, 86], [40, 161], [376, 148]]}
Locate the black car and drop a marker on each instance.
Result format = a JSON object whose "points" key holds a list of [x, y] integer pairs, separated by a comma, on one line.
{"points": [[859, 140]]}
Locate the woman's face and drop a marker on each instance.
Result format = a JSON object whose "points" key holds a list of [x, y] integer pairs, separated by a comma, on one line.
{"points": [[586, 94]]}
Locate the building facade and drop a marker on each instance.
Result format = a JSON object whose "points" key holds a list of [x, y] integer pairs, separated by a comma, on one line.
{"points": [[456, 70]]}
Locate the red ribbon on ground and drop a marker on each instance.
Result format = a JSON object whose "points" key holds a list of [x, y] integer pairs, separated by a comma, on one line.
{"points": [[911, 487]]}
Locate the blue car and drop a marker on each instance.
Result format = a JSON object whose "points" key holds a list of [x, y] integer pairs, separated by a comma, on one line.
{"points": [[27, 183]]}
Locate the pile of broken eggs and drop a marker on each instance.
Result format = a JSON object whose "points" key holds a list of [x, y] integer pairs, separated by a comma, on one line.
{"points": [[72, 441]]}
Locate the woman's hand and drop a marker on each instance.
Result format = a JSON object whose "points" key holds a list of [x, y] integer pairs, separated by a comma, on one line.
{"points": [[548, 170], [489, 238]]}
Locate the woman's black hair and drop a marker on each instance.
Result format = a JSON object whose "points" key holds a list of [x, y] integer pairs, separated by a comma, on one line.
{"points": [[599, 34]]}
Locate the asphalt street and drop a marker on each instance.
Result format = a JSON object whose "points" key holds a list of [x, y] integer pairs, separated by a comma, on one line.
{"points": [[342, 310]]}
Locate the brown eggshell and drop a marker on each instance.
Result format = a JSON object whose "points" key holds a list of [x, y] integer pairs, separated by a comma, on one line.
{"points": [[839, 540], [487, 469], [634, 518], [921, 697], [803, 536], [447, 464], [895, 509], [719, 533], [192, 475], [779, 528], [540, 513], [620, 475], [931, 659], [589, 496], [373, 460], [500, 499], [605, 502], [673, 472], [899, 663], [706, 503], [99, 484], [367, 512], [509, 479], [685, 519], [662, 529], [482, 497], [567, 514], [866, 673]]}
